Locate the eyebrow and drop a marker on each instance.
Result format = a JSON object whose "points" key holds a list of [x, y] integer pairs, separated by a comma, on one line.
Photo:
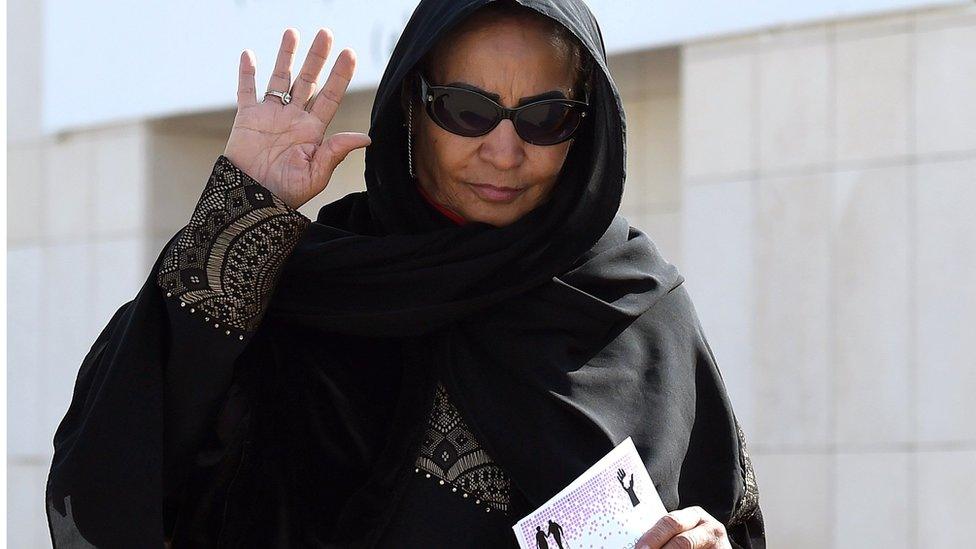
{"points": [[551, 94]]}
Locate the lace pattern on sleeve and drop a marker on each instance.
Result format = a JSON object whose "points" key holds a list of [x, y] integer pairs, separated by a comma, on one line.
{"points": [[452, 457], [225, 262], [748, 504]]}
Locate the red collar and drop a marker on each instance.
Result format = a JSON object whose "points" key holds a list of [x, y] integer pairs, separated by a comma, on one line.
{"points": [[450, 214]]}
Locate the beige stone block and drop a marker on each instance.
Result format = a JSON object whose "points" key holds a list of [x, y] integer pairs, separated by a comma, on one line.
{"points": [[24, 327], [795, 497], [872, 506], [67, 199], [873, 26], [354, 114], [791, 337], [644, 73], [721, 46], [631, 210], [717, 262], [215, 124], [664, 229], [25, 175], [627, 74], [945, 267], [945, 84], [120, 269], [121, 181], [629, 205], [25, 71], [155, 246], [940, 17], [946, 497], [653, 155], [636, 179], [718, 106], [871, 293], [26, 520], [69, 328], [662, 70], [872, 97], [793, 100], [179, 166], [794, 35]]}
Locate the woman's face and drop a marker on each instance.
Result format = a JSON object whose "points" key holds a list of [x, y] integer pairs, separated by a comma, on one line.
{"points": [[514, 60]]}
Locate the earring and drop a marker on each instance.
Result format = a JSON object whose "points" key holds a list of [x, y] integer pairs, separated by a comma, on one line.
{"points": [[410, 140]]}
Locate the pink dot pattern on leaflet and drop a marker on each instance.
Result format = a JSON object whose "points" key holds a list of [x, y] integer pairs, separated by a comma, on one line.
{"points": [[599, 504]]}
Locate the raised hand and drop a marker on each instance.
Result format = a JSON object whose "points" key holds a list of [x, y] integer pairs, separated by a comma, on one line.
{"points": [[284, 147]]}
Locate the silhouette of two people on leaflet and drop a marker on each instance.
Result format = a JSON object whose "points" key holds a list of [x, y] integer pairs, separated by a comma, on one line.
{"points": [[555, 530]]}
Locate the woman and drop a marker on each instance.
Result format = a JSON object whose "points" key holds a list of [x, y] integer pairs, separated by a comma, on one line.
{"points": [[429, 360]]}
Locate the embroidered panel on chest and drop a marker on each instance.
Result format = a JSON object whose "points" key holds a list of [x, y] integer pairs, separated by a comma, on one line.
{"points": [[451, 456]]}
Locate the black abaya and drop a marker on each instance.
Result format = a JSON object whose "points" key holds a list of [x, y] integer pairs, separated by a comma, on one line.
{"points": [[268, 386]]}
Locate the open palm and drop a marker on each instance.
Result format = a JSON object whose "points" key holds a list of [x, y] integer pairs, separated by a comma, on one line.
{"points": [[284, 147]]}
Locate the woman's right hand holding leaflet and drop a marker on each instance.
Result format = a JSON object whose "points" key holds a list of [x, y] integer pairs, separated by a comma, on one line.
{"points": [[284, 147]]}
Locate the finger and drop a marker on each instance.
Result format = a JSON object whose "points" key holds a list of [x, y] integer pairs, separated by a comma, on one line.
{"points": [[245, 80], [696, 538], [281, 75], [334, 150], [327, 101], [670, 525], [308, 76]]}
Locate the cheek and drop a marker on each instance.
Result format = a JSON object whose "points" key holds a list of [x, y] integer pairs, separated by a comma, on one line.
{"points": [[446, 152], [549, 161]]}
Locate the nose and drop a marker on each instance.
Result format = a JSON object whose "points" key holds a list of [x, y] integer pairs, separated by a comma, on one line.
{"points": [[503, 147]]}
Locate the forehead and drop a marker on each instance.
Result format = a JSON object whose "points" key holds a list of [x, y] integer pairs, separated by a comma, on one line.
{"points": [[502, 55]]}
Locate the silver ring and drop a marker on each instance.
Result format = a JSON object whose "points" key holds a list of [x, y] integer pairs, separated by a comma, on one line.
{"points": [[285, 97]]}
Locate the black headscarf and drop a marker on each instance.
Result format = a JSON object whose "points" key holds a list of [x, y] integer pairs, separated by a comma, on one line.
{"points": [[558, 336]]}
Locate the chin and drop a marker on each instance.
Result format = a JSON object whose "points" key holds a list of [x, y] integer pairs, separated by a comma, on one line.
{"points": [[497, 219]]}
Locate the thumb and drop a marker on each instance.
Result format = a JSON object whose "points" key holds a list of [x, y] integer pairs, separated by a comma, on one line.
{"points": [[335, 148]]}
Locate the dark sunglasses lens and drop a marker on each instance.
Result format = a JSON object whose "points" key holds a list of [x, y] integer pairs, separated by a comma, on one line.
{"points": [[462, 112], [548, 123]]}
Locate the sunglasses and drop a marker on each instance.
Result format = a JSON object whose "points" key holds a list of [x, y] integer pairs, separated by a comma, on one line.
{"points": [[471, 114]]}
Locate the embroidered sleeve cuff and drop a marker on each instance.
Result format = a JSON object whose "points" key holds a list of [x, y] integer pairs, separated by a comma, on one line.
{"points": [[224, 264], [748, 504]]}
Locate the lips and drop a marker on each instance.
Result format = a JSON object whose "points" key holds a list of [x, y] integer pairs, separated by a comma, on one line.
{"points": [[492, 193]]}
